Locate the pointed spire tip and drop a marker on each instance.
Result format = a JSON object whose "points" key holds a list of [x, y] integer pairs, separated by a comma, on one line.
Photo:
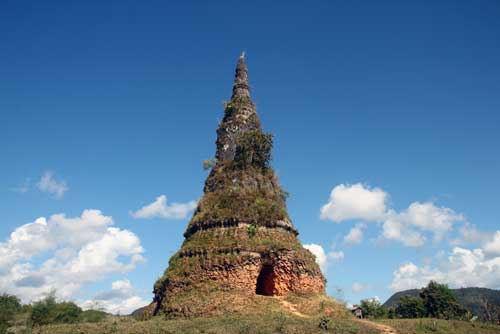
{"points": [[241, 87]]}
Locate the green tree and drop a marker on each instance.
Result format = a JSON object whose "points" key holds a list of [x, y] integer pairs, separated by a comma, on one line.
{"points": [[67, 312], [410, 307], [9, 307], [372, 308], [42, 311], [49, 311], [440, 302]]}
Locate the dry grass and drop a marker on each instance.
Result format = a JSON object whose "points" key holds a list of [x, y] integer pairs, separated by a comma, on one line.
{"points": [[435, 326], [271, 323]]}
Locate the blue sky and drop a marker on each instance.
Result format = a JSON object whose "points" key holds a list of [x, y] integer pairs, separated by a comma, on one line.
{"points": [[119, 101]]}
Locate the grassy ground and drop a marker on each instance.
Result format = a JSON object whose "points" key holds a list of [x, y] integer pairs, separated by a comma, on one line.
{"points": [[263, 324], [272, 323], [424, 326]]}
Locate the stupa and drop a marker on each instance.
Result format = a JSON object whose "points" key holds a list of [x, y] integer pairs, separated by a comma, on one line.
{"points": [[240, 246]]}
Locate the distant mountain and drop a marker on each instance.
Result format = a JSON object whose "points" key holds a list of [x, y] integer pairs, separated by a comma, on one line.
{"points": [[479, 301], [138, 313], [394, 299]]}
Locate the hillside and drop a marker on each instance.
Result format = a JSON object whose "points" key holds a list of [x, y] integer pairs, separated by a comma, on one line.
{"points": [[472, 298]]}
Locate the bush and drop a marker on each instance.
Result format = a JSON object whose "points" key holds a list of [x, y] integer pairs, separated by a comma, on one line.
{"points": [[67, 313], [253, 148], [372, 309], [440, 302], [48, 311], [92, 316], [9, 307], [252, 230], [410, 307]]}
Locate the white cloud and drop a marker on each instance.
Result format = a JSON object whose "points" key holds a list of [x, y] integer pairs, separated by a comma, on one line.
{"points": [[322, 258], [409, 276], [355, 235], [395, 229], [121, 299], [463, 268], [78, 231], [428, 217], [160, 209], [356, 201], [52, 186], [319, 253], [63, 254], [409, 226], [122, 285], [101, 257], [493, 246]]}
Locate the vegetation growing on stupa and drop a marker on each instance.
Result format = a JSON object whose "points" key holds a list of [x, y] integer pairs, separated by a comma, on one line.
{"points": [[240, 242], [244, 189], [253, 149]]}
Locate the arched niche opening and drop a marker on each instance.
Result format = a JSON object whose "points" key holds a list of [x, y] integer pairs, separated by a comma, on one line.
{"points": [[265, 281]]}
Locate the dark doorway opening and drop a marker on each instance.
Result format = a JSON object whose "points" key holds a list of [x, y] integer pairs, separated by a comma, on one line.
{"points": [[265, 281]]}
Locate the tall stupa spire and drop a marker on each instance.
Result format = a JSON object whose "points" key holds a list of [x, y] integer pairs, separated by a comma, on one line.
{"points": [[241, 88], [240, 245], [240, 114]]}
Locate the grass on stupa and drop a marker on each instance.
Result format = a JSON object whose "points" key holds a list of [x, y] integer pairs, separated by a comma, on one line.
{"points": [[189, 269], [250, 194]]}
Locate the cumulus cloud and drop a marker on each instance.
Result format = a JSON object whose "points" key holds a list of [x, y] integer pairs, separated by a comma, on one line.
{"points": [[492, 246], [355, 235], [121, 299], [63, 254], [160, 209], [49, 184], [319, 253], [396, 229], [410, 226], [348, 202], [429, 217], [462, 268], [322, 258]]}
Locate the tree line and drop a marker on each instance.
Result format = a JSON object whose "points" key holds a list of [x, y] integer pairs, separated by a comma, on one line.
{"points": [[434, 301]]}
